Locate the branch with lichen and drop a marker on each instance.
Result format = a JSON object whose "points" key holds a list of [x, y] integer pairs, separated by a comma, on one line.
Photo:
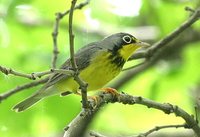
{"points": [[75, 128]]}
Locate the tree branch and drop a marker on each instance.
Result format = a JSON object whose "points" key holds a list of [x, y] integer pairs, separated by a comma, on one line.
{"points": [[153, 54], [55, 42], [71, 36], [157, 128], [35, 75], [75, 128], [80, 6], [13, 72], [7, 94], [158, 45], [82, 84]]}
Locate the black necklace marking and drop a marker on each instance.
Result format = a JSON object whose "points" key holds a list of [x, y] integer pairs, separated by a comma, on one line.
{"points": [[117, 59]]}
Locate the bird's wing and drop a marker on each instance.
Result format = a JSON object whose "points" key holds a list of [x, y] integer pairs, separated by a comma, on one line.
{"points": [[82, 58]]}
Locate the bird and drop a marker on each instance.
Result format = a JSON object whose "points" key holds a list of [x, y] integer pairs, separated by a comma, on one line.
{"points": [[98, 63]]}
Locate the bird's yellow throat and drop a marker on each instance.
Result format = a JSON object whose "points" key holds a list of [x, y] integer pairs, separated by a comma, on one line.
{"points": [[126, 51]]}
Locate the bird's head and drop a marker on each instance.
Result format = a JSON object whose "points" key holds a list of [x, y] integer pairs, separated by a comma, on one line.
{"points": [[123, 44]]}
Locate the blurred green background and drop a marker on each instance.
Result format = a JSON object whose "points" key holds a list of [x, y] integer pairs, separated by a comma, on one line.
{"points": [[26, 45]]}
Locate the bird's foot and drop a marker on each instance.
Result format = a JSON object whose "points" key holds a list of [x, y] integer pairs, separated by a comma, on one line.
{"points": [[112, 91], [93, 101]]}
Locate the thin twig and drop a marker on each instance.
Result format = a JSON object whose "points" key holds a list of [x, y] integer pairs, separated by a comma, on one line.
{"points": [[157, 128], [152, 54], [13, 72], [71, 35], [82, 84], [7, 94], [80, 6], [61, 71], [189, 9], [55, 43], [55, 32], [167, 39], [174, 34], [35, 75]]}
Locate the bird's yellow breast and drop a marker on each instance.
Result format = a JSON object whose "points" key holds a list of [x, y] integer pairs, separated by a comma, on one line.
{"points": [[100, 71], [103, 67]]}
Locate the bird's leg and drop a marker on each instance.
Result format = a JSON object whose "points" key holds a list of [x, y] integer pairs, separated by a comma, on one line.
{"points": [[90, 99], [96, 98], [93, 101]]}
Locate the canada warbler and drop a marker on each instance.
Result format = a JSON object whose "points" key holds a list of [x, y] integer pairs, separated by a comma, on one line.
{"points": [[98, 63]]}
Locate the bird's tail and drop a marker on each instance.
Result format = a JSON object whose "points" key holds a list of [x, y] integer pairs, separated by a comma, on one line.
{"points": [[30, 101], [25, 104]]}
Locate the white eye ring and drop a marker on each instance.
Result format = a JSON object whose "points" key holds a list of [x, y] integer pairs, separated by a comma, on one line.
{"points": [[127, 39]]}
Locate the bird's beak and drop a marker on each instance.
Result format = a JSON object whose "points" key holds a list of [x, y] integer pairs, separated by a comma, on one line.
{"points": [[144, 44]]}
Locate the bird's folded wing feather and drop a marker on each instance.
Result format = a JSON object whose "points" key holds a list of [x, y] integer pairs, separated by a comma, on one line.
{"points": [[82, 58]]}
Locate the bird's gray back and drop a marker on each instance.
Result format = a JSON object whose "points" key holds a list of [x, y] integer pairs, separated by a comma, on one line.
{"points": [[82, 58]]}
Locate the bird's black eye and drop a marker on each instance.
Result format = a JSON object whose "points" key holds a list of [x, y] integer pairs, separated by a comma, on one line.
{"points": [[127, 39]]}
